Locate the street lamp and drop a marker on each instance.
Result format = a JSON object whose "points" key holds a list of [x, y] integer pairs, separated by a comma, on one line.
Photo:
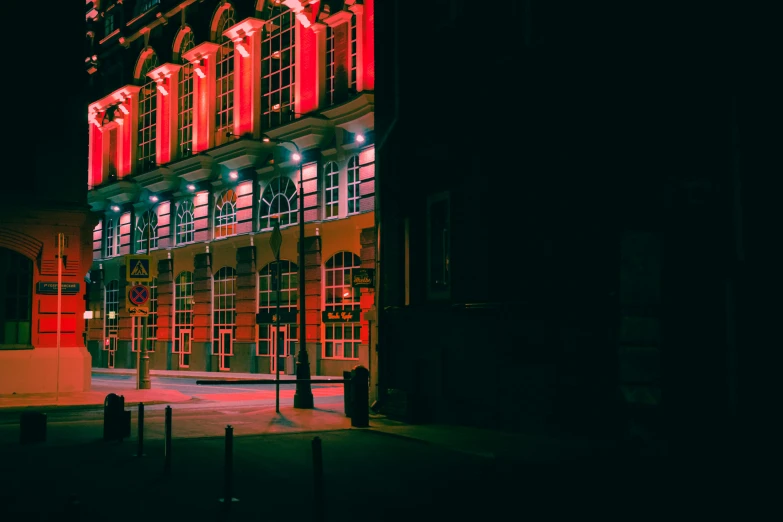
{"points": [[303, 397]]}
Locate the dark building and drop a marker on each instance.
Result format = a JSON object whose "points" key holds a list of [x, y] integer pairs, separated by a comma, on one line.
{"points": [[570, 202], [43, 198]]}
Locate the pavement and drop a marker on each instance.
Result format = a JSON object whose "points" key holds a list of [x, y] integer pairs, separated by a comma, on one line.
{"points": [[388, 471]]}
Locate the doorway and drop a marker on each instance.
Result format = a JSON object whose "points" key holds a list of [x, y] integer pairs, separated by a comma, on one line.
{"points": [[225, 349], [184, 348], [111, 350]]}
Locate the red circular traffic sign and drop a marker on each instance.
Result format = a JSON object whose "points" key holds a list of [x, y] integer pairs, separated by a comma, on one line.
{"points": [[138, 295]]}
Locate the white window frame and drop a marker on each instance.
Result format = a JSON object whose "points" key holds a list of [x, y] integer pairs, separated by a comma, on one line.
{"points": [[337, 283]]}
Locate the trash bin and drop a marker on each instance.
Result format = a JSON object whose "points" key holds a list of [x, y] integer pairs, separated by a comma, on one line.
{"points": [[116, 421], [32, 427], [347, 393]]}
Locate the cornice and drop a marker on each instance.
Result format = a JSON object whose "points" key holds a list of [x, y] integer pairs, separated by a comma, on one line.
{"points": [[202, 50]]}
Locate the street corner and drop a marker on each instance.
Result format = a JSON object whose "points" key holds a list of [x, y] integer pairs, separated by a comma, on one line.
{"points": [[154, 396]]}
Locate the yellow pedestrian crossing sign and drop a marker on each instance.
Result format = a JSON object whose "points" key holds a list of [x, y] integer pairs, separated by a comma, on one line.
{"points": [[137, 268]]}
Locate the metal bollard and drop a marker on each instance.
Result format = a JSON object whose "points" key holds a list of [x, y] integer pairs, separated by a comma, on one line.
{"points": [[228, 497], [360, 391], [140, 451], [318, 480], [167, 445]]}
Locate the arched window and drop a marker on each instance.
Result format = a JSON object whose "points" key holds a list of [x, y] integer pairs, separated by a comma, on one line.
{"points": [[16, 285], [148, 106], [278, 61], [280, 199], [341, 339], [353, 185], [185, 103], [111, 302], [331, 192], [112, 237], [223, 315], [224, 70], [288, 278], [152, 320], [183, 317], [185, 222], [147, 229], [226, 215]]}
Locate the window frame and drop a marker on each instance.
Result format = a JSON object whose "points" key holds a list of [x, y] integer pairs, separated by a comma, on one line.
{"points": [[343, 273]]}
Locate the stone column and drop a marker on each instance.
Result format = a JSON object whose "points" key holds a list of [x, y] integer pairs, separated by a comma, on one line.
{"points": [[246, 308], [201, 358], [161, 359]]}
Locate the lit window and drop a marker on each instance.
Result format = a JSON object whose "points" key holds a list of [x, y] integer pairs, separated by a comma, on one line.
{"points": [[278, 66], [288, 277], [183, 317], [16, 305], [185, 107], [185, 222], [148, 105], [226, 215], [147, 231], [224, 312], [281, 199], [353, 185], [341, 339], [330, 64], [111, 314], [354, 43], [112, 237], [224, 69], [331, 193]]}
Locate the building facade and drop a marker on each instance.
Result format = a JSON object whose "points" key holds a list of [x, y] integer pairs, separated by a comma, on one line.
{"points": [[209, 121], [45, 222]]}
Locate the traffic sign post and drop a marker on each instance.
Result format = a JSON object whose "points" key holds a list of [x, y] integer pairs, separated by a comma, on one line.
{"points": [[275, 241], [138, 270]]}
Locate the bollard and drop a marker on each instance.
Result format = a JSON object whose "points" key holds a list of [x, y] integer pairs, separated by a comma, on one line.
{"points": [[167, 445], [140, 451], [360, 410], [318, 480], [228, 497]]}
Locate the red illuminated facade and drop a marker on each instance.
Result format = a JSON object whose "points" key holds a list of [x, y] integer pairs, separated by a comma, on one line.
{"points": [[183, 95]]}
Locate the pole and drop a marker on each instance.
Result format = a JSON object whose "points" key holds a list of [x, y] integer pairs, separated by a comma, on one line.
{"points": [[318, 480], [303, 397], [144, 367], [228, 496], [140, 451], [277, 334], [59, 308], [167, 443]]}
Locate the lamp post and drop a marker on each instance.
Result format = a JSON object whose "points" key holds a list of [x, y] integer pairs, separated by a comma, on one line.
{"points": [[303, 397]]}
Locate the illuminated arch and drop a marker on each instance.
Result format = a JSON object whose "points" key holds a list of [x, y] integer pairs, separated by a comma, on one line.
{"points": [[142, 66], [184, 35], [216, 19]]}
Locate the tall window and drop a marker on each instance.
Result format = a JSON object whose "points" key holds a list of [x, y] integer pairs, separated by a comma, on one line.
{"points": [[112, 237], [267, 302], [145, 5], [148, 104], [185, 106], [341, 338], [147, 229], [278, 66], [223, 303], [279, 198], [438, 246], [152, 321], [330, 64], [331, 193], [16, 283], [183, 316], [224, 68], [353, 185], [226, 215], [185, 222], [353, 53], [108, 24], [111, 302]]}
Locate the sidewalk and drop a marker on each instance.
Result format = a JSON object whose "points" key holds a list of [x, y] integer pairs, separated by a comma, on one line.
{"points": [[22, 401], [227, 376]]}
